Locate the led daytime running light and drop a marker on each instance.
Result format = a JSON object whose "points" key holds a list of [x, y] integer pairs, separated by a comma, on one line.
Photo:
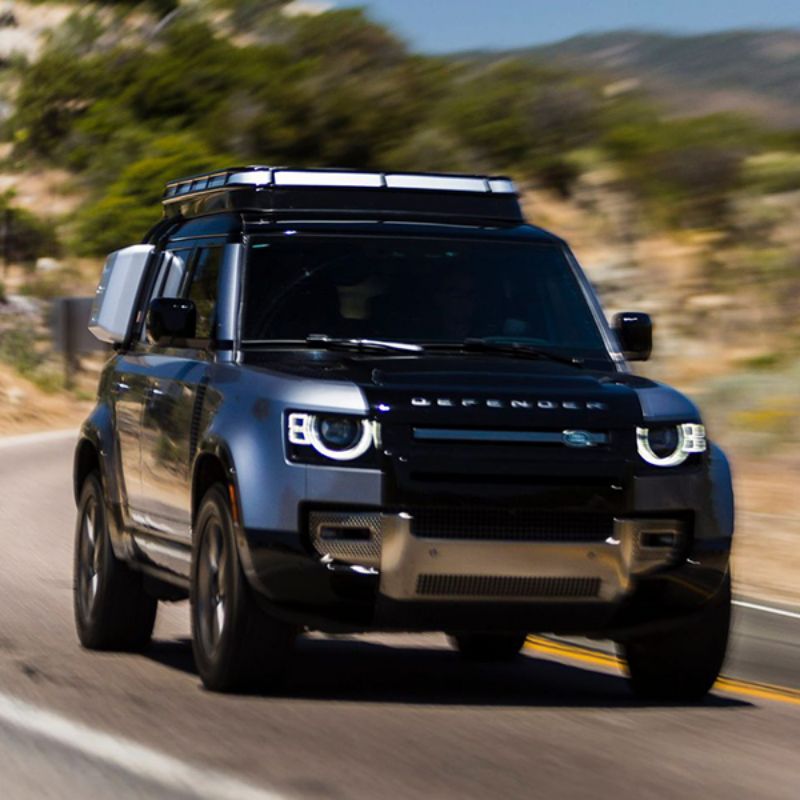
{"points": [[691, 439], [304, 431]]}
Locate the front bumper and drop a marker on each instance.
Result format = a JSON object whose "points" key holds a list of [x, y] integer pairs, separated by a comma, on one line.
{"points": [[533, 565], [603, 588]]}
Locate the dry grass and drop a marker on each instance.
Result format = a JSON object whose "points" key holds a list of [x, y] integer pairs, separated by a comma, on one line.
{"points": [[45, 192], [26, 408], [767, 542]]}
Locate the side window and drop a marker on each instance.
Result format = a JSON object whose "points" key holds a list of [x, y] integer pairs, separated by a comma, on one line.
{"points": [[168, 280], [202, 288], [174, 269]]}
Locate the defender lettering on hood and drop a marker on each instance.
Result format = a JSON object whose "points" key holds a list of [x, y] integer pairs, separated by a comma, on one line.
{"points": [[546, 405]]}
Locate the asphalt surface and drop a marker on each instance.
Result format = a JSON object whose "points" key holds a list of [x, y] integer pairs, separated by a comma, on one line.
{"points": [[360, 717]]}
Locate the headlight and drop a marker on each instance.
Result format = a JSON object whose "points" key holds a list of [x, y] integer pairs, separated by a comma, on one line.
{"points": [[670, 445], [335, 436]]}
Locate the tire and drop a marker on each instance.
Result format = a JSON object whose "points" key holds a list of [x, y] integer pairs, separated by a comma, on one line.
{"points": [[488, 646], [236, 645], [112, 609], [683, 664]]}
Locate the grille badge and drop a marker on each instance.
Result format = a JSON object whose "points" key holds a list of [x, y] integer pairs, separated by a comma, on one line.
{"points": [[583, 438]]}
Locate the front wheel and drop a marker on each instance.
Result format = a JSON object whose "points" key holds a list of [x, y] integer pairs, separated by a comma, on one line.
{"points": [[236, 645], [112, 609], [683, 664], [488, 646]]}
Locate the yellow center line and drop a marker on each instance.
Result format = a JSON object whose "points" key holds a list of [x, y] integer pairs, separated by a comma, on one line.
{"points": [[548, 647], [585, 655], [763, 691]]}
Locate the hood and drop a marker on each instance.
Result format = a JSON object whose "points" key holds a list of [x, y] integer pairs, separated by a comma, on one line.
{"points": [[481, 389]]}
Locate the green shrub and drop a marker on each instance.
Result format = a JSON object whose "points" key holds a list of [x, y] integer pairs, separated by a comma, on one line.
{"points": [[771, 173], [18, 348], [765, 361], [132, 202], [51, 284], [685, 170], [28, 237]]}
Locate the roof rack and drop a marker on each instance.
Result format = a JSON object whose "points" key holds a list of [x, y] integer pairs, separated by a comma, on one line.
{"points": [[285, 191]]}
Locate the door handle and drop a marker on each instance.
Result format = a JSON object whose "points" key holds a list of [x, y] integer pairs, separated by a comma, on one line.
{"points": [[120, 387], [154, 391]]}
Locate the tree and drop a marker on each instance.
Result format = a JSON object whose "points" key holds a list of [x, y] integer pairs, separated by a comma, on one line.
{"points": [[131, 203]]}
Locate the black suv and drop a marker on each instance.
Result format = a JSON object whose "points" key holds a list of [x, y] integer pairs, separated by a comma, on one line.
{"points": [[351, 401]]}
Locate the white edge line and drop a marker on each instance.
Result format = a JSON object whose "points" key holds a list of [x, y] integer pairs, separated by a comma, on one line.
{"points": [[128, 756], [38, 438], [778, 611]]}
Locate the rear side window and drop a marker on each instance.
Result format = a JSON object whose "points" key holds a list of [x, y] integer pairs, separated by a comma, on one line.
{"points": [[203, 289]]}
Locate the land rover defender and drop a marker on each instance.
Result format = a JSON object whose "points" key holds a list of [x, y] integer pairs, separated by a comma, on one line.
{"points": [[352, 401]]}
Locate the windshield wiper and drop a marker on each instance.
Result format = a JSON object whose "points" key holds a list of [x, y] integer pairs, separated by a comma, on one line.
{"points": [[326, 342], [514, 349], [361, 345]]}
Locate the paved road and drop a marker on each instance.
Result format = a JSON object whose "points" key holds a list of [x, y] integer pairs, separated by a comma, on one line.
{"points": [[362, 717]]}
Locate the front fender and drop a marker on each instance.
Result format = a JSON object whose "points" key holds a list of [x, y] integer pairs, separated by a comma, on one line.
{"points": [[97, 444], [96, 432], [722, 503], [244, 424]]}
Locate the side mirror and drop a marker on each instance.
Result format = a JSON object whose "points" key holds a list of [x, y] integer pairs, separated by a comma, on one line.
{"points": [[171, 318], [635, 333]]}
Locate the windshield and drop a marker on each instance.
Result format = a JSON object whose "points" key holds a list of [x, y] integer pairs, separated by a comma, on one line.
{"points": [[427, 291]]}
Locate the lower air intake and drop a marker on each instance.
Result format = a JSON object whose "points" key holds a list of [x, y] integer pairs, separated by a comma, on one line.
{"points": [[503, 524], [506, 586], [352, 537]]}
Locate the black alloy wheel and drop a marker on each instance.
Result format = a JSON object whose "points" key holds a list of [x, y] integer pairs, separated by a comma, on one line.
{"points": [[112, 609], [212, 570], [236, 645], [682, 664]]}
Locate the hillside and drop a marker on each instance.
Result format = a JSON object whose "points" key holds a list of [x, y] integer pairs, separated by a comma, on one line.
{"points": [[755, 72]]}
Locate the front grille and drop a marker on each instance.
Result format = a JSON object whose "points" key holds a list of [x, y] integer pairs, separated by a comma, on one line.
{"points": [[506, 586], [525, 525]]}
